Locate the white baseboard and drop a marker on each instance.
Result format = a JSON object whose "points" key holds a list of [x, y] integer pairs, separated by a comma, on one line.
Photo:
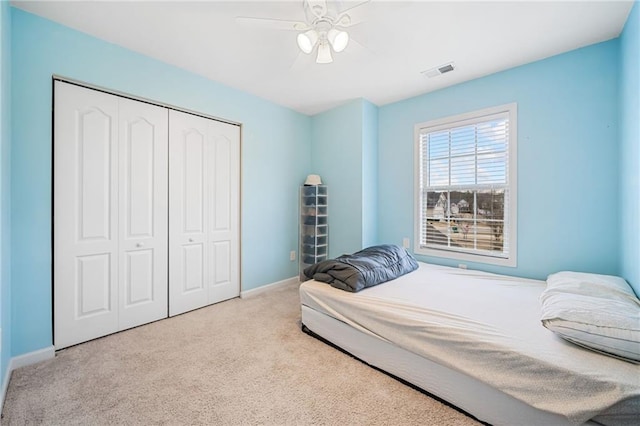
{"points": [[22, 361], [5, 385], [267, 287], [32, 357]]}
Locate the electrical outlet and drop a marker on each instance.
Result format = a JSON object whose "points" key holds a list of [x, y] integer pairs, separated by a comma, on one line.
{"points": [[292, 255], [405, 242]]}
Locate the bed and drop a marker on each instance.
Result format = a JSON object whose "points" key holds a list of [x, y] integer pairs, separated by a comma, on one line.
{"points": [[475, 340]]}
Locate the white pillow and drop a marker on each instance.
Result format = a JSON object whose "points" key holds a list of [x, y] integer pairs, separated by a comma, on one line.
{"points": [[599, 312]]}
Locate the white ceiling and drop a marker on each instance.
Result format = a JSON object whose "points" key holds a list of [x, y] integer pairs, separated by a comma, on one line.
{"points": [[383, 61]]}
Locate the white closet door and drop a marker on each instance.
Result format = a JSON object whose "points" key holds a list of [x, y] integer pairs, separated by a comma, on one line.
{"points": [[224, 212], [204, 176], [85, 214], [188, 268], [110, 214], [143, 278]]}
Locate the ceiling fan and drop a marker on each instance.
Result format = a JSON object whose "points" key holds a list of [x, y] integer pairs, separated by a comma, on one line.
{"points": [[324, 26]]}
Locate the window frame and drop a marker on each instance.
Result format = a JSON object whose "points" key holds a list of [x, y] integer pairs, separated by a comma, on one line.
{"points": [[512, 184]]}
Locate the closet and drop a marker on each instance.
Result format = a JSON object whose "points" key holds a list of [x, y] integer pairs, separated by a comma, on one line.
{"points": [[145, 212]]}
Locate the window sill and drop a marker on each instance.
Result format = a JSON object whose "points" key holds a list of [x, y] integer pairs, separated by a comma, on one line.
{"points": [[468, 257]]}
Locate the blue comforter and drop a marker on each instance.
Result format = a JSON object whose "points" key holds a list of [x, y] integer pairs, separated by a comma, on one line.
{"points": [[366, 268]]}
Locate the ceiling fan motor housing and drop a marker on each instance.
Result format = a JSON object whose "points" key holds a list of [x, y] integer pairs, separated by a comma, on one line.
{"points": [[315, 9]]}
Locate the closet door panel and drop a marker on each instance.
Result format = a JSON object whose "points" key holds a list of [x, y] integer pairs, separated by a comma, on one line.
{"points": [[139, 177], [188, 251], [221, 265], [139, 279], [143, 204], [193, 156], [85, 214], [94, 145], [224, 199], [194, 268], [93, 285]]}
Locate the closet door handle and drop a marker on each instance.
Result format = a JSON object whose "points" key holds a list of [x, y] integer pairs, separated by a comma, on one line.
{"points": [[190, 240], [140, 245]]}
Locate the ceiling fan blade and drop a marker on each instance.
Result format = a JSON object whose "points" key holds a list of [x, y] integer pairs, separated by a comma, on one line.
{"points": [[354, 15], [302, 61], [272, 24], [358, 48]]}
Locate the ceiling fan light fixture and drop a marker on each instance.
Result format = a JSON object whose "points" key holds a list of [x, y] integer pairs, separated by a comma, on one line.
{"points": [[324, 54], [338, 39], [307, 40]]}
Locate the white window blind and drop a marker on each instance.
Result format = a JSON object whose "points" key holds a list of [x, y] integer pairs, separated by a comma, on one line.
{"points": [[465, 186]]}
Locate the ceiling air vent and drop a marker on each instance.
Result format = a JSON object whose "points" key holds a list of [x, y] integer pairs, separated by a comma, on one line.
{"points": [[442, 69]]}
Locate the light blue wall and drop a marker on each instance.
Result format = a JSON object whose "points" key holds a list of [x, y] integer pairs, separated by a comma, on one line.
{"points": [[5, 187], [344, 147], [629, 92], [369, 174], [568, 157], [275, 158], [336, 152]]}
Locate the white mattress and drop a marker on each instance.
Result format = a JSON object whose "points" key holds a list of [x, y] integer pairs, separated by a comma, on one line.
{"points": [[487, 327]]}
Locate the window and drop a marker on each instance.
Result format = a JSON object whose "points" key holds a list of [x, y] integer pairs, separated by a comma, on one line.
{"points": [[466, 187]]}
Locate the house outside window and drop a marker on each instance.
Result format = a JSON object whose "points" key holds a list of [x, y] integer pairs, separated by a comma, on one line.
{"points": [[465, 186]]}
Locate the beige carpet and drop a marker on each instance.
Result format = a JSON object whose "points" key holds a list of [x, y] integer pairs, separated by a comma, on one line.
{"points": [[244, 361]]}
